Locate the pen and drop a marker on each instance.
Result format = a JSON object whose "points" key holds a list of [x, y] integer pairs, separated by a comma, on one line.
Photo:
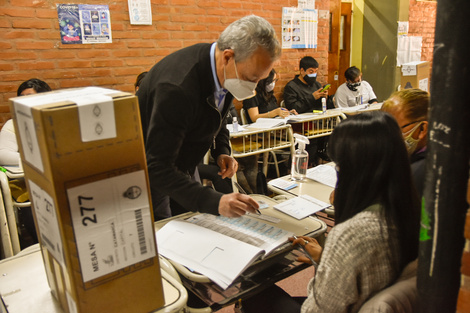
{"points": [[315, 264], [241, 190]]}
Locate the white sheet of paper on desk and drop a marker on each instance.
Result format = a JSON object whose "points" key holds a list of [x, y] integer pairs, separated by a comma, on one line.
{"points": [[218, 247], [301, 207], [240, 128], [324, 174], [263, 123], [300, 117], [355, 108], [283, 184]]}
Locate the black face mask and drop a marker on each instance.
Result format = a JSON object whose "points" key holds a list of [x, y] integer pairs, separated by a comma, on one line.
{"points": [[310, 80], [353, 86]]}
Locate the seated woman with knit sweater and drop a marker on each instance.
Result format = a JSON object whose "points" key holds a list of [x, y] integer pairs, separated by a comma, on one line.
{"points": [[377, 222]]}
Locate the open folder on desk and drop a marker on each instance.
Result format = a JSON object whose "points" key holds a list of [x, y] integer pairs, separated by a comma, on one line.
{"points": [[219, 247]]}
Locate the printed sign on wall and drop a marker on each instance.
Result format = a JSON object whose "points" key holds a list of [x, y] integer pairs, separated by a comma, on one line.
{"points": [[84, 23], [299, 28]]}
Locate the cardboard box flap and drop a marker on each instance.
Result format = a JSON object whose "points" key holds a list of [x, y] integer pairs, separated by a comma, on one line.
{"points": [[410, 69], [63, 96], [95, 109]]}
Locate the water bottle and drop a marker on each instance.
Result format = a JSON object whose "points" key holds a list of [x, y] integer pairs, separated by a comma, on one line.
{"points": [[300, 158], [235, 124], [323, 105]]}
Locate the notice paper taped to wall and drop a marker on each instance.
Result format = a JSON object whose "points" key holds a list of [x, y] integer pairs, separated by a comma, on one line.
{"points": [[409, 49], [140, 12], [299, 28]]}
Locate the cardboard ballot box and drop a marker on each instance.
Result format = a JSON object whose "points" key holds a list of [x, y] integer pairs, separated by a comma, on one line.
{"points": [[85, 168], [415, 75]]}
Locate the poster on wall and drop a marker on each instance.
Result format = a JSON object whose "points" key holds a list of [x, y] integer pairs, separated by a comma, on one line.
{"points": [[69, 23], [299, 28], [140, 12], [84, 23]]}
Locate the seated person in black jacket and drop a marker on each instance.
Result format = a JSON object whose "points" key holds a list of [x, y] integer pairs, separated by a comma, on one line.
{"points": [[303, 93]]}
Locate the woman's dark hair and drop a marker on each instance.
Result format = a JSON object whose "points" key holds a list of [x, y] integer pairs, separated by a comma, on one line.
{"points": [[261, 87], [373, 168], [37, 84], [352, 73]]}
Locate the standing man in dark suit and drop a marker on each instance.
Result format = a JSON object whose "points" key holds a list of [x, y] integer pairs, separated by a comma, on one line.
{"points": [[183, 101]]}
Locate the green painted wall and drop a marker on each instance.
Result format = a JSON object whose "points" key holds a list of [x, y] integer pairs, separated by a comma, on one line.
{"points": [[374, 42], [357, 20], [379, 46]]}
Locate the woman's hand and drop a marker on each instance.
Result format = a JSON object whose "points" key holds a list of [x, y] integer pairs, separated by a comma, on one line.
{"points": [[310, 245], [282, 112]]}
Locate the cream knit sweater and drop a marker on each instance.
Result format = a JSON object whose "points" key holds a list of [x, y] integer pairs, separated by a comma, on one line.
{"points": [[356, 263]]}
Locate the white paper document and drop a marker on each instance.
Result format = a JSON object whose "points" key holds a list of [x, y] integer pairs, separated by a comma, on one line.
{"points": [[218, 247], [301, 117], [324, 174], [355, 108], [263, 123], [240, 128], [409, 49], [283, 184], [301, 206]]}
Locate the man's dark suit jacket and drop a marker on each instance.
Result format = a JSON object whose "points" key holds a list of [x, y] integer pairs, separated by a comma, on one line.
{"points": [[180, 123]]}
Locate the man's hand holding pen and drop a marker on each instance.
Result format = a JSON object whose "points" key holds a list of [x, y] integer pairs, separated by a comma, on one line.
{"points": [[236, 204], [310, 246]]}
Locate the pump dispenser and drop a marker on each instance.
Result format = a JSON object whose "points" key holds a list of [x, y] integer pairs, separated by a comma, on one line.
{"points": [[300, 158]]}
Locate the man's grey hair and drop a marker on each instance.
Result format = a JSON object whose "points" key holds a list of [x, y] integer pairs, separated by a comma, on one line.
{"points": [[245, 35]]}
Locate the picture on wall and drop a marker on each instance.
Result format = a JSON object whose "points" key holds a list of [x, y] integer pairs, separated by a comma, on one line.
{"points": [[84, 23], [69, 23]]}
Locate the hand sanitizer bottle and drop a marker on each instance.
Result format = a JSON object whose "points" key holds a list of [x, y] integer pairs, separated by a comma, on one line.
{"points": [[235, 124], [300, 158]]}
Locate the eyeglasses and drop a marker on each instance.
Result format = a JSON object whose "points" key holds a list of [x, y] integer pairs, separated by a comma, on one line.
{"points": [[273, 81], [411, 123]]}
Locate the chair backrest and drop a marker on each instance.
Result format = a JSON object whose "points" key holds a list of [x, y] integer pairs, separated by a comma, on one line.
{"points": [[401, 297], [243, 116]]}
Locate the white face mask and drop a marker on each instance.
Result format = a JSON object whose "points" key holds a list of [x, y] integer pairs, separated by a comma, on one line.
{"points": [[240, 89], [270, 87], [410, 142]]}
